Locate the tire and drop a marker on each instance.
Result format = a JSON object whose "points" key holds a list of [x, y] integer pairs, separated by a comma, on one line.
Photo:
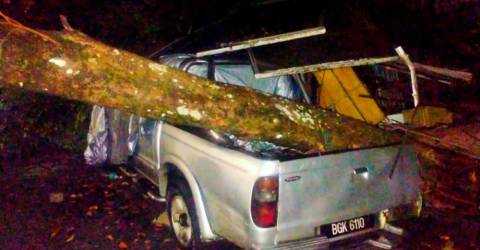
{"points": [[182, 215]]}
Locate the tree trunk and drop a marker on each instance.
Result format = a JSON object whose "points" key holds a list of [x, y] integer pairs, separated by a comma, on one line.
{"points": [[75, 66]]}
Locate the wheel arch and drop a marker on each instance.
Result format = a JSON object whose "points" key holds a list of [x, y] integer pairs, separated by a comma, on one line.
{"points": [[174, 167]]}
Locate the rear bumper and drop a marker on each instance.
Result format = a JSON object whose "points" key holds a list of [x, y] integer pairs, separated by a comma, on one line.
{"points": [[359, 240], [323, 242], [382, 229]]}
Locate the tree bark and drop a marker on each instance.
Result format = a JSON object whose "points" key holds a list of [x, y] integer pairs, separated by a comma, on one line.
{"points": [[72, 65]]}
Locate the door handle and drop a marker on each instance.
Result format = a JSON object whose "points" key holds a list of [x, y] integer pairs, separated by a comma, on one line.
{"points": [[360, 174]]}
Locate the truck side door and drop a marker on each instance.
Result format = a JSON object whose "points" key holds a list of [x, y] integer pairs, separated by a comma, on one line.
{"points": [[148, 148]]}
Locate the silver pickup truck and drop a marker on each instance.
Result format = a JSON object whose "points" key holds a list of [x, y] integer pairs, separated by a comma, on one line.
{"points": [[256, 194]]}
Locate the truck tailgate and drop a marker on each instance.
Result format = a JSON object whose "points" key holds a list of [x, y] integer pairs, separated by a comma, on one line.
{"points": [[324, 189]]}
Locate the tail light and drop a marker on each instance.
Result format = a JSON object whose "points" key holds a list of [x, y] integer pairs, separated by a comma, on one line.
{"points": [[264, 201]]}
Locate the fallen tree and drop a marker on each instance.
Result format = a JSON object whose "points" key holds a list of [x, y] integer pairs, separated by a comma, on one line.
{"points": [[70, 64]]}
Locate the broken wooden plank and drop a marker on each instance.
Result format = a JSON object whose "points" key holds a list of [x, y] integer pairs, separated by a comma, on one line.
{"points": [[429, 72], [413, 77], [264, 41], [455, 74], [327, 65]]}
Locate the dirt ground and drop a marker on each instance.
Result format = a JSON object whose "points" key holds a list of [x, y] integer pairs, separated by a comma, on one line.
{"points": [[52, 200]]}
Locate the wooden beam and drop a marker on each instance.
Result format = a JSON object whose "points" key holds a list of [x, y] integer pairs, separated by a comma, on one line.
{"points": [[264, 41], [327, 65], [437, 73], [413, 76]]}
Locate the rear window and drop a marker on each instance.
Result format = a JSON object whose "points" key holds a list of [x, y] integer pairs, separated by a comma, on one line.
{"points": [[243, 75]]}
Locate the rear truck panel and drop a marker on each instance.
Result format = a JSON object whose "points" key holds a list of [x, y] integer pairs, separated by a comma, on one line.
{"points": [[341, 186]]}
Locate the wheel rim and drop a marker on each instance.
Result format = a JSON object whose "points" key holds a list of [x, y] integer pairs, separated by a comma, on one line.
{"points": [[181, 222]]}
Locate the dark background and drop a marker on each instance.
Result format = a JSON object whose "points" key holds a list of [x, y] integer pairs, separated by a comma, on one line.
{"points": [[441, 32]]}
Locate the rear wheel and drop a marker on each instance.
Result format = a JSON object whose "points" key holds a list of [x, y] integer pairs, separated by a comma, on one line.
{"points": [[182, 215]]}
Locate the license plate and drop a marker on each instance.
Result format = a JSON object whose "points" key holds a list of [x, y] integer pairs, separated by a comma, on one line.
{"points": [[347, 226]]}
